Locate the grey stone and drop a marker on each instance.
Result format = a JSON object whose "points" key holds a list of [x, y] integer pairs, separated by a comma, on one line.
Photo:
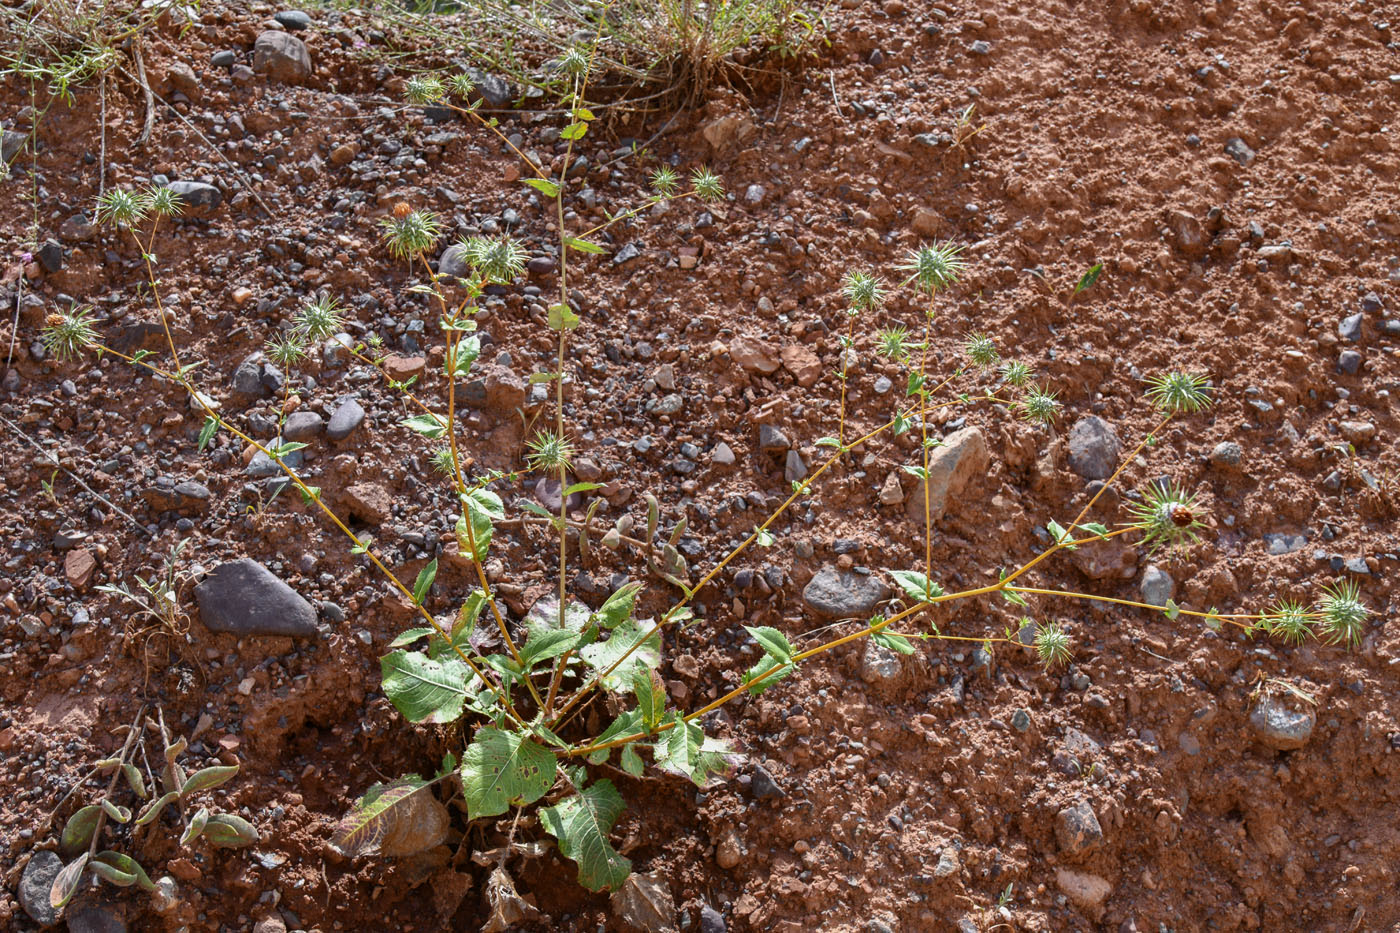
{"points": [[1093, 448], [282, 57], [34, 886], [794, 470], [1239, 150], [348, 416], [1371, 302], [711, 920], [1021, 720], [980, 47], [1227, 454], [495, 90], [882, 385], [961, 459], [1283, 543], [1156, 585], [453, 261], [879, 664], [302, 426], [247, 378], [12, 143], [94, 918], [771, 439], [722, 454], [626, 254], [753, 194], [1077, 828], [763, 786], [1280, 725], [844, 594], [244, 598], [1349, 362], [295, 20], [948, 863], [263, 466], [50, 256], [224, 58], [197, 199], [669, 404], [1391, 327], [1351, 326]]}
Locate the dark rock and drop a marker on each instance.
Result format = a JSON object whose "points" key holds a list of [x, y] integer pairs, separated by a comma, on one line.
{"points": [[1349, 362], [245, 598], [282, 57], [840, 595], [34, 886], [1227, 454], [1371, 302], [11, 145], [1093, 448], [94, 918], [247, 378], [1077, 828], [348, 416], [302, 426], [771, 439], [50, 256], [295, 20], [763, 786], [188, 496], [711, 920], [495, 90], [197, 199], [224, 58]]}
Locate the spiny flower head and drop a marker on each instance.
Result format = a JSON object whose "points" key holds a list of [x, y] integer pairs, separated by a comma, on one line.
{"points": [[1179, 392], [1342, 614], [319, 319], [119, 208], [549, 451], [574, 62], [665, 181], [707, 185], [425, 89], [409, 233], [461, 84], [286, 350], [497, 260], [1015, 373], [1167, 515], [982, 350], [864, 291], [894, 343], [162, 201], [442, 460], [1288, 620], [67, 334], [934, 267], [1040, 405], [1053, 645]]}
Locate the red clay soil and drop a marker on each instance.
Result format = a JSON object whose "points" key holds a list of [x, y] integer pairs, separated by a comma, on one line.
{"points": [[1233, 165]]}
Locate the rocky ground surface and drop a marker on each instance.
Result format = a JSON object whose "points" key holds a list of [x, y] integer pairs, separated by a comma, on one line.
{"points": [[1233, 165]]}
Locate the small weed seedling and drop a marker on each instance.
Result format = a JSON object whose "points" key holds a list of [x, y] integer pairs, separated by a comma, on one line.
{"points": [[84, 833]]}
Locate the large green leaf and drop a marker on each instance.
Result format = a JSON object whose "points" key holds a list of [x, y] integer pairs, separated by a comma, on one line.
{"points": [[651, 695], [604, 654], [503, 768], [684, 749], [423, 689], [581, 824]]}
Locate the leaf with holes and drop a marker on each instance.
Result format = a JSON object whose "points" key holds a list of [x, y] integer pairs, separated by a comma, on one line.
{"points": [[423, 689], [581, 824], [501, 769]]}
